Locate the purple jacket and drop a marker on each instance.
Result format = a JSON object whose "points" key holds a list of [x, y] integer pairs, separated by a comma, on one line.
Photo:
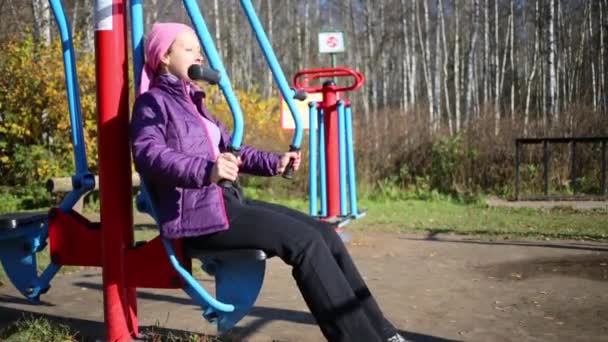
{"points": [[173, 153]]}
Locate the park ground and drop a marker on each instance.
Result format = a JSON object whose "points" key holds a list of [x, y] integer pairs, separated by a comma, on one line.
{"points": [[434, 285]]}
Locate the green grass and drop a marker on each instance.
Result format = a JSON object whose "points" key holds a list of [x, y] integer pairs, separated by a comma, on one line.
{"points": [[40, 329], [480, 220], [37, 329]]}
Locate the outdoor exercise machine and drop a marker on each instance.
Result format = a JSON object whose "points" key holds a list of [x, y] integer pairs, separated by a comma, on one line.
{"points": [[127, 265], [330, 129]]}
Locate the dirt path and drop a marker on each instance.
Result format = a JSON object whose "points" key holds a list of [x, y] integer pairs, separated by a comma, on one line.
{"points": [[434, 288]]}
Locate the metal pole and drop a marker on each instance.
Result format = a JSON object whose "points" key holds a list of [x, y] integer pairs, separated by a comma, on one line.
{"points": [[312, 158], [342, 158], [546, 166], [332, 153], [573, 168], [114, 167], [517, 160], [322, 164], [350, 156], [333, 65], [603, 170]]}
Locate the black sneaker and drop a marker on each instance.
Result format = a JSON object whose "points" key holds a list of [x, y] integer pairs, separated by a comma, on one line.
{"points": [[397, 338]]}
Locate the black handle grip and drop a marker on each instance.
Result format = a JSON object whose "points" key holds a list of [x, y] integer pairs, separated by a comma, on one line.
{"points": [[225, 183], [289, 170], [300, 95], [198, 72]]}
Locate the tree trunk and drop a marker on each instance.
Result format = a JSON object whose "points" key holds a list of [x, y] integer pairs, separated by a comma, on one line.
{"points": [[602, 60], [306, 36], [591, 55], [424, 46], [299, 39], [552, 64], [486, 52], [42, 21], [437, 82], [457, 82], [471, 62], [501, 75], [369, 20], [496, 68], [405, 62], [445, 66], [512, 58]]}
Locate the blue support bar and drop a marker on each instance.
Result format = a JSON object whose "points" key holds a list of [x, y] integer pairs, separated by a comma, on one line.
{"points": [[350, 156], [277, 72], [83, 180], [71, 80], [342, 157], [137, 40], [322, 165], [198, 290], [216, 63], [312, 158]]}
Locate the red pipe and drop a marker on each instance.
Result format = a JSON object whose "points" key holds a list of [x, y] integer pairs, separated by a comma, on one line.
{"points": [[120, 307], [332, 156]]}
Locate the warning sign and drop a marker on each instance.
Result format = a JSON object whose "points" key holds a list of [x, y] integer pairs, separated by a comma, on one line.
{"points": [[331, 42]]}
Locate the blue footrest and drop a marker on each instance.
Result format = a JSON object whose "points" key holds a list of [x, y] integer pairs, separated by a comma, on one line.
{"points": [[20, 239]]}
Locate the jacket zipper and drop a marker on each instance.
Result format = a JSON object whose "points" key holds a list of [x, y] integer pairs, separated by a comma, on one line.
{"points": [[219, 191]]}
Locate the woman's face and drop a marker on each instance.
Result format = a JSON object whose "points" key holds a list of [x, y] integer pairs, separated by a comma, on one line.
{"points": [[184, 52]]}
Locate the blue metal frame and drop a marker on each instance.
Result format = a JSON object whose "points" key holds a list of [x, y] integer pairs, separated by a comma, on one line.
{"points": [[20, 263], [312, 158], [216, 63], [83, 181], [137, 40], [277, 72], [322, 164], [350, 157], [342, 157]]}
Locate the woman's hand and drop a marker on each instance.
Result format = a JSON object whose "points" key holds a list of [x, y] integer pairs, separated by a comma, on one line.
{"points": [[226, 167], [285, 160]]}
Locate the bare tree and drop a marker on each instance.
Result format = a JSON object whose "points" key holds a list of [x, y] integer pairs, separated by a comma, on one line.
{"points": [[426, 62], [457, 82], [445, 66], [602, 61], [551, 61], [591, 52], [471, 63], [42, 21], [405, 62], [512, 59]]}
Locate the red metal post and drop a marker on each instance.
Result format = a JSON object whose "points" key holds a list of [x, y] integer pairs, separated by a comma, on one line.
{"points": [[120, 309], [332, 157]]}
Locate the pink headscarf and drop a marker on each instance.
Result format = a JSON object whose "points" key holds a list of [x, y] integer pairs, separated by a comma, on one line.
{"points": [[157, 44]]}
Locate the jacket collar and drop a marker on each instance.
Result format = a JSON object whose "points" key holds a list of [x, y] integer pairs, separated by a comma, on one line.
{"points": [[176, 86]]}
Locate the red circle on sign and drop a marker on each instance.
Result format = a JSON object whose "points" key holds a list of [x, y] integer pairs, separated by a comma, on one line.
{"points": [[332, 42]]}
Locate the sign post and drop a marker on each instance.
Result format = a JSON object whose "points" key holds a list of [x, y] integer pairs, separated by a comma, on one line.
{"points": [[331, 43]]}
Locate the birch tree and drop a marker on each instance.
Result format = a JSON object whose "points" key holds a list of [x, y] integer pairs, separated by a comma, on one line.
{"points": [[457, 82], [471, 63], [42, 21], [551, 62]]}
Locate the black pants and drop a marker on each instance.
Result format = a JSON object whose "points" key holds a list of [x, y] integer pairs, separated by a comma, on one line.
{"points": [[328, 279]]}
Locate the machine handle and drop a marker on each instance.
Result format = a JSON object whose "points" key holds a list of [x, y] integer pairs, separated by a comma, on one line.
{"points": [[289, 170], [313, 74]]}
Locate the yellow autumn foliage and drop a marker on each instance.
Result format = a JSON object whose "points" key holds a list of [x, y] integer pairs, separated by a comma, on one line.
{"points": [[262, 126], [35, 131], [35, 134]]}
